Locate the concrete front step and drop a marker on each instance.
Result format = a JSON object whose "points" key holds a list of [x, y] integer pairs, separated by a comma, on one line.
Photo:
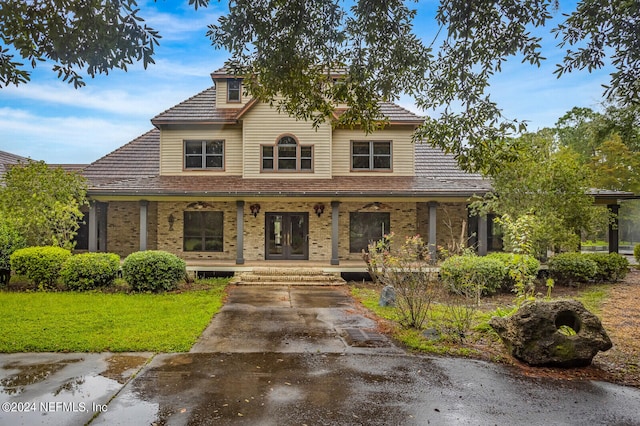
{"points": [[278, 271], [287, 276], [249, 277], [288, 283]]}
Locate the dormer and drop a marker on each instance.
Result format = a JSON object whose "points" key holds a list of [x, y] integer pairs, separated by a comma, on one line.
{"points": [[229, 89]]}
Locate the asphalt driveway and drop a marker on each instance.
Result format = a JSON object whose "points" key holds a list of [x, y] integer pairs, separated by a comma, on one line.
{"points": [[294, 355]]}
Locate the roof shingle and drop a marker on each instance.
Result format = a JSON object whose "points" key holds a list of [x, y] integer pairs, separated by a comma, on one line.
{"points": [[8, 159], [139, 158], [200, 108]]}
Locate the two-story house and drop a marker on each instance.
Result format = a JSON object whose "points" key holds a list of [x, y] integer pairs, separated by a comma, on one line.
{"points": [[223, 179]]}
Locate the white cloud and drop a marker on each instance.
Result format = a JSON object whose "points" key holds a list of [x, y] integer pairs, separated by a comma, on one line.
{"points": [[173, 27], [64, 139]]}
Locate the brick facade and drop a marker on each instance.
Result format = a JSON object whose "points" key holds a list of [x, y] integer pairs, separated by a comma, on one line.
{"points": [[406, 219], [170, 236], [123, 227]]}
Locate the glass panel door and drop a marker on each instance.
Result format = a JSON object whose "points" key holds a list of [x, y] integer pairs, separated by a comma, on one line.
{"points": [[297, 236], [275, 237], [287, 236]]}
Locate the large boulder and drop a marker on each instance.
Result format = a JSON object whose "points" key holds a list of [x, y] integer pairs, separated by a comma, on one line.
{"points": [[387, 296], [559, 333]]}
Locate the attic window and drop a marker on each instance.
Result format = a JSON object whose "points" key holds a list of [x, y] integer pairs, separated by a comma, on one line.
{"points": [[233, 90]]}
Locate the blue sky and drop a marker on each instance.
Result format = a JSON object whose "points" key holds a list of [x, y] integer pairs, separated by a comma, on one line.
{"points": [[49, 120]]}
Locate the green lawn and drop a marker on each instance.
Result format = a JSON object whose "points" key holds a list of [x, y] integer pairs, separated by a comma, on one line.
{"points": [[96, 322]]}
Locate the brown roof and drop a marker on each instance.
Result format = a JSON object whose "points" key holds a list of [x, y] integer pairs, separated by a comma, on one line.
{"points": [[134, 168], [433, 163], [201, 109], [8, 159], [139, 158], [227, 72], [70, 167], [352, 186]]}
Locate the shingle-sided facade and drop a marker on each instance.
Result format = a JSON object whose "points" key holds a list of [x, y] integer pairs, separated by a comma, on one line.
{"points": [[225, 179]]}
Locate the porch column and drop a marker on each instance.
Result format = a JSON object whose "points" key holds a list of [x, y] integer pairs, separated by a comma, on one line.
{"points": [[614, 242], [483, 236], [335, 232], [93, 227], [432, 241], [144, 204], [240, 234], [102, 226]]}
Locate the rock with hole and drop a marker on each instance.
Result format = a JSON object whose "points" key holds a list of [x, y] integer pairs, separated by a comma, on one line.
{"points": [[560, 333]]}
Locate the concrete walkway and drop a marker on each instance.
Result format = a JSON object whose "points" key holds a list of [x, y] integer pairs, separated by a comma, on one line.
{"points": [[294, 355], [291, 319]]}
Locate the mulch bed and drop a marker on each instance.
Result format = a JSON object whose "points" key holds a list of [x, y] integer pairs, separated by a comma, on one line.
{"points": [[621, 319]]}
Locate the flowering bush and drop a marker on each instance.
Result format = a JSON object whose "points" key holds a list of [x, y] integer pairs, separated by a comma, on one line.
{"points": [[406, 268]]}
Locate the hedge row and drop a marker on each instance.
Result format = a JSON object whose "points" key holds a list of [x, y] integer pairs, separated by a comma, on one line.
{"points": [[151, 270], [577, 268], [465, 274]]}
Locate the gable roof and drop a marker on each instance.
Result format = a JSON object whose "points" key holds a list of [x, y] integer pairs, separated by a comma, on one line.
{"points": [[201, 109]]}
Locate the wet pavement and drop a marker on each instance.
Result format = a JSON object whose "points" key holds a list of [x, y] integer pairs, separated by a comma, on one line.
{"points": [[294, 355]]}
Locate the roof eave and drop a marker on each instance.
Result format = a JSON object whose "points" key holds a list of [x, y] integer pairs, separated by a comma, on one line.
{"points": [[288, 194], [158, 123]]}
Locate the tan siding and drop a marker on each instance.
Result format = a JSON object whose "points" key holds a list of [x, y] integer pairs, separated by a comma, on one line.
{"points": [[171, 150], [402, 155], [221, 96], [263, 125]]}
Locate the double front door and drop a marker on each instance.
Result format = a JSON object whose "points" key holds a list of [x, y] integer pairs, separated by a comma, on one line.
{"points": [[287, 236]]}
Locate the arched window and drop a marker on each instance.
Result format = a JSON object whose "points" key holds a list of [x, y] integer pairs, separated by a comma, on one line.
{"points": [[287, 155]]}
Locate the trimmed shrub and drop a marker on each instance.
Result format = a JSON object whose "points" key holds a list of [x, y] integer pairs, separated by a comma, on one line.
{"points": [[88, 271], [472, 274], [572, 268], [153, 270], [611, 266], [511, 262], [41, 265]]}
